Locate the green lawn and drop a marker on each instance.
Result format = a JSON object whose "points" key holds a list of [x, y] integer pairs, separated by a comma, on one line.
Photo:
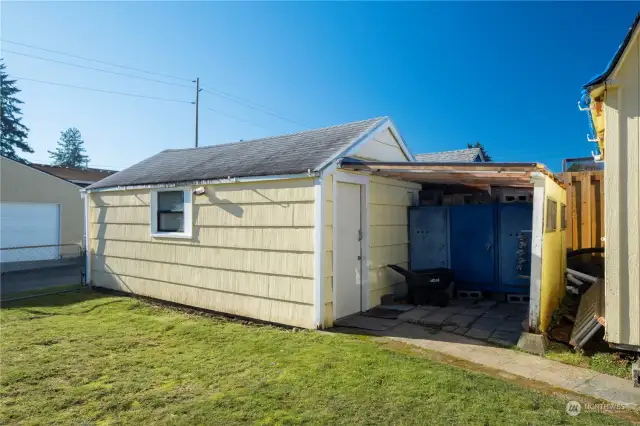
{"points": [[86, 358]]}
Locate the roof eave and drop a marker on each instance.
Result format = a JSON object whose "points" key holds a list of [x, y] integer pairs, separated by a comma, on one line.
{"points": [[602, 78], [231, 179]]}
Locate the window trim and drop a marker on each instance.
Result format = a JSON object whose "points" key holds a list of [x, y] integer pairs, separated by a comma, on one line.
{"points": [[547, 227], [563, 215], [187, 211]]}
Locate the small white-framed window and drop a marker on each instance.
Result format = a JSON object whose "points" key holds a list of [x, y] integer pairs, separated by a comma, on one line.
{"points": [[171, 212]]}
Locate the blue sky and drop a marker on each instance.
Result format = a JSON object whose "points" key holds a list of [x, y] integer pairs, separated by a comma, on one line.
{"points": [[505, 74]]}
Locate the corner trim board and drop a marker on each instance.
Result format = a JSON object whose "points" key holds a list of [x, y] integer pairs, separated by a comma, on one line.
{"points": [[318, 251], [537, 233]]}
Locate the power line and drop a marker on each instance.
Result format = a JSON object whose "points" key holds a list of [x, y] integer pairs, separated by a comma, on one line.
{"points": [[252, 105], [236, 118], [94, 69], [95, 60], [218, 92], [112, 92], [225, 95]]}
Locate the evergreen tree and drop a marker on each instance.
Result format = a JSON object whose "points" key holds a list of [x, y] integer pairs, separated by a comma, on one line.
{"points": [[486, 156], [13, 134], [70, 150]]}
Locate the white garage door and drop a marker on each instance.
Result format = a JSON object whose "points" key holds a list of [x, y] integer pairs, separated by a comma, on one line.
{"points": [[29, 224]]}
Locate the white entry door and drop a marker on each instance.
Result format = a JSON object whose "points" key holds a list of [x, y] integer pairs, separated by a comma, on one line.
{"points": [[29, 224], [347, 245]]}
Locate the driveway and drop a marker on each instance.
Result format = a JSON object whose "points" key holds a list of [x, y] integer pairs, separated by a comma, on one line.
{"points": [[19, 281]]}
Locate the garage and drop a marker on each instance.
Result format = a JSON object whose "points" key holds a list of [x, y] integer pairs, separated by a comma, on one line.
{"points": [[29, 224]]}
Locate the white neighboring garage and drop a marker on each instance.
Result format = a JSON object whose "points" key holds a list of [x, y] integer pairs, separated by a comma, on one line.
{"points": [[37, 209], [29, 224]]}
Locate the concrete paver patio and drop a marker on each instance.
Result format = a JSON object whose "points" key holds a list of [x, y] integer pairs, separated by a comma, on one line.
{"points": [[486, 320]]}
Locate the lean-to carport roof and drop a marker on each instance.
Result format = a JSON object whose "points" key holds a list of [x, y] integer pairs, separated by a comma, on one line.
{"points": [[470, 174]]}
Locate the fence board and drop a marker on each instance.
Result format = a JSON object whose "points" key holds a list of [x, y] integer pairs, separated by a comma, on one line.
{"points": [[585, 204]]}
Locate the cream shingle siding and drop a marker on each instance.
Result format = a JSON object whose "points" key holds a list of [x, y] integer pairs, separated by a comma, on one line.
{"points": [[388, 234], [622, 202], [388, 238], [251, 253], [383, 146]]}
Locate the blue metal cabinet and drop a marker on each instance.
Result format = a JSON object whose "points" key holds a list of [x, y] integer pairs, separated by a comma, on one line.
{"points": [[488, 246], [515, 223], [473, 246], [428, 236]]}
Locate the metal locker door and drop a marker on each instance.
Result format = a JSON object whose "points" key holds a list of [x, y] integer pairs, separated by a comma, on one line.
{"points": [[514, 261], [428, 247], [473, 248]]}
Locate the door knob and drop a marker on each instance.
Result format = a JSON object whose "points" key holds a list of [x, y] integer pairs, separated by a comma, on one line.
{"points": [[489, 246]]}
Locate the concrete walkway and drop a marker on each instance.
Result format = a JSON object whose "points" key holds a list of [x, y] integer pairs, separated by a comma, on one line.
{"points": [[584, 381]]}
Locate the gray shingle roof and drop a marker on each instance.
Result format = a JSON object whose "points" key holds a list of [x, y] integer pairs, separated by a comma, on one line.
{"points": [[457, 156], [278, 155]]}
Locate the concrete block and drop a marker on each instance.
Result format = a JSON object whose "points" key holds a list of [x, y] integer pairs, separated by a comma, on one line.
{"points": [[533, 343], [449, 328], [461, 330], [478, 333]]}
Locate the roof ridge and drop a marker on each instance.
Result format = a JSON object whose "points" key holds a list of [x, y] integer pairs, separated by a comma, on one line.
{"points": [[83, 169], [451, 150], [277, 136]]}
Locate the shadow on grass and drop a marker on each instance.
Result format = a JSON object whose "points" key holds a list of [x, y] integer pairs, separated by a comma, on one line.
{"points": [[68, 298]]}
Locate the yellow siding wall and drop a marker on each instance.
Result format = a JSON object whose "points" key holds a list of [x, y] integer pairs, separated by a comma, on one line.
{"points": [[251, 253], [554, 259], [388, 234], [622, 201], [388, 238], [23, 184]]}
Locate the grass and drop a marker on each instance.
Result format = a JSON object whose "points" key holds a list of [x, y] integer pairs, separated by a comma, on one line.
{"points": [[89, 358], [602, 362]]}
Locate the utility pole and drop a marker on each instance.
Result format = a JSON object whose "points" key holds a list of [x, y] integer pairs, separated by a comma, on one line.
{"points": [[197, 96]]}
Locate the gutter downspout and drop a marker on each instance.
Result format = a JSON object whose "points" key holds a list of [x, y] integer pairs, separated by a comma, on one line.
{"points": [[87, 236], [318, 250]]}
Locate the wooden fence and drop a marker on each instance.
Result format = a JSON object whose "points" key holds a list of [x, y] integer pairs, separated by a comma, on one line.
{"points": [[585, 209]]}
